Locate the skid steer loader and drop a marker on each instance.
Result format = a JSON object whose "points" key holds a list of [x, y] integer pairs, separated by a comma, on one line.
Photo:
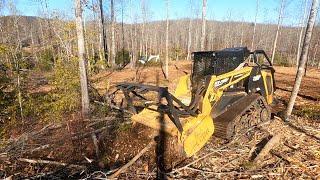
{"points": [[228, 91]]}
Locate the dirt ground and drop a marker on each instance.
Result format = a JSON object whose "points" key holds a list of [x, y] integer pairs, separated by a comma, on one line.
{"points": [[75, 141]]}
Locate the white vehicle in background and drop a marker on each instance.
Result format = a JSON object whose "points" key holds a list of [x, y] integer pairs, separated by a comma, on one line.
{"points": [[145, 59]]}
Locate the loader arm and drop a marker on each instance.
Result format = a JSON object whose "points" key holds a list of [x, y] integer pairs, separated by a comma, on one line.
{"points": [[220, 83]]}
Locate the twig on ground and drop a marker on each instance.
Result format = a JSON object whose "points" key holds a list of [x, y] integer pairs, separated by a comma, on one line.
{"points": [[95, 142], [293, 161], [24, 137], [113, 107], [41, 175], [96, 121], [40, 148], [301, 129], [123, 168], [76, 137], [199, 159], [40, 161]]}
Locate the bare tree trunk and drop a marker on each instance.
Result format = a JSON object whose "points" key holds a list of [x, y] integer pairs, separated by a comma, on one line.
{"points": [[49, 28], [33, 43], [301, 31], [122, 33], [278, 29], [93, 51], [140, 43], [113, 45], [315, 54], [135, 43], [255, 25], [41, 31], [303, 57], [143, 36], [196, 41], [318, 64], [203, 27], [146, 43], [189, 39], [132, 36], [167, 41], [103, 39], [85, 42], [306, 67], [16, 60], [82, 61], [242, 30]]}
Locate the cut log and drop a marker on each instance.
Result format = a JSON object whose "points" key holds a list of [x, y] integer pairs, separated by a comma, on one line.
{"points": [[273, 142]]}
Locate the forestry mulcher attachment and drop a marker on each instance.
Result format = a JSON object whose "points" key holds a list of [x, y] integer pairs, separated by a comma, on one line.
{"points": [[227, 92]]}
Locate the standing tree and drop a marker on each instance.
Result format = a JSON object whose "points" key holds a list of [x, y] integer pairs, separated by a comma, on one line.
{"points": [[16, 59], [103, 39], [143, 34], [303, 56], [302, 22], [203, 27], [82, 61], [255, 25], [113, 45], [189, 35], [315, 53], [132, 36], [1, 23], [278, 29], [167, 41]]}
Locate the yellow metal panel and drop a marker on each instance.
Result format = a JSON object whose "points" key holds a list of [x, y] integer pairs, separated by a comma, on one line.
{"points": [[152, 119], [197, 134], [269, 97], [183, 91], [182, 86]]}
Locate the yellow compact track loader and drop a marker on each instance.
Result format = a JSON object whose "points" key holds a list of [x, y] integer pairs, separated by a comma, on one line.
{"points": [[227, 92]]}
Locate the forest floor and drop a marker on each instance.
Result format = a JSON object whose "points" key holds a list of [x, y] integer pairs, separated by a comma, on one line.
{"points": [[82, 148]]}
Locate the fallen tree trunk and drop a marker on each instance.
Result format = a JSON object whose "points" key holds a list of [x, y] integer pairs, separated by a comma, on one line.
{"points": [[273, 142]]}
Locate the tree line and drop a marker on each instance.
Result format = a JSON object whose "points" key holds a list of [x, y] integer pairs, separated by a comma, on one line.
{"points": [[104, 37]]}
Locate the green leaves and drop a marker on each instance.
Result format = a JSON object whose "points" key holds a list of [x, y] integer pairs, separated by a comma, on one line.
{"points": [[65, 96]]}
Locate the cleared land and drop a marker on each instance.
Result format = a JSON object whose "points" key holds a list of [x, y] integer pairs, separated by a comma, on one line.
{"points": [[72, 141]]}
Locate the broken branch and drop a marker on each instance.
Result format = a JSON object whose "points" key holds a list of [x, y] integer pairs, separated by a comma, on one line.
{"points": [[40, 161], [273, 142], [123, 168]]}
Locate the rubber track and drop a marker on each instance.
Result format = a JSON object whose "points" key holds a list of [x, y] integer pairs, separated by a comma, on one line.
{"points": [[239, 116]]}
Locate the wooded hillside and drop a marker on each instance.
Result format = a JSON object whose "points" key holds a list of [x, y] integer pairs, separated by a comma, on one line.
{"points": [[149, 38]]}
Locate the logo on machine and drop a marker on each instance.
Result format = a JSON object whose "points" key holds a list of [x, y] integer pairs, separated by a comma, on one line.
{"points": [[256, 78], [221, 82]]}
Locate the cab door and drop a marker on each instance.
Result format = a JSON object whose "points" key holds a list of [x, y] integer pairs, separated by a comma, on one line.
{"points": [[267, 72], [268, 80]]}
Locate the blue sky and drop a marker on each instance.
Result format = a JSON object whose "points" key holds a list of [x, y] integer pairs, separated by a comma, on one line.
{"points": [[236, 10]]}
